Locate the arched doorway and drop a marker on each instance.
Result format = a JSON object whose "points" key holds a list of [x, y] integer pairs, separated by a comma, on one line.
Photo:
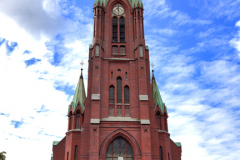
{"points": [[119, 149]]}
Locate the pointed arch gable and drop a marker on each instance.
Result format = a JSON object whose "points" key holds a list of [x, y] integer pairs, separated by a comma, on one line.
{"points": [[120, 133]]}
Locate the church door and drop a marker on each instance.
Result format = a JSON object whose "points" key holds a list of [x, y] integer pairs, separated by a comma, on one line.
{"points": [[119, 149]]}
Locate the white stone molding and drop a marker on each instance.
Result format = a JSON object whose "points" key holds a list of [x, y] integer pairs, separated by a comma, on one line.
{"points": [[95, 97], [143, 97]]}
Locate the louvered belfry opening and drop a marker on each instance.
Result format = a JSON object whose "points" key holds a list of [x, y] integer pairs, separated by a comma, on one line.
{"points": [[119, 90], [111, 94], [126, 94], [115, 29], [122, 29]]}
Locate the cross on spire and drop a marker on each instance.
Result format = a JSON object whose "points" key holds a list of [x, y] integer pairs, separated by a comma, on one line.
{"points": [[82, 64]]}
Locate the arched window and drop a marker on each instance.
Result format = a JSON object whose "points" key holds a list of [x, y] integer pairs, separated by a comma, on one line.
{"points": [[126, 94], [158, 120], [78, 120], [122, 29], [115, 29], [75, 155], [67, 155], [119, 90], [111, 94], [161, 153], [119, 148]]}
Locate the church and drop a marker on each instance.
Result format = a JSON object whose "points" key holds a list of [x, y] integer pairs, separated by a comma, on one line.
{"points": [[123, 116]]}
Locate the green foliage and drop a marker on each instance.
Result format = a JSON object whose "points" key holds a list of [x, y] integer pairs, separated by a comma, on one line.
{"points": [[2, 156]]}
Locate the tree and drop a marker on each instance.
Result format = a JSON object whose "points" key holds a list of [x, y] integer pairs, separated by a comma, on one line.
{"points": [[2, 156]]}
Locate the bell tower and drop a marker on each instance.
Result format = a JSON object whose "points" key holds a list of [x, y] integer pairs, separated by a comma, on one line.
{"points": [[123, 115]]}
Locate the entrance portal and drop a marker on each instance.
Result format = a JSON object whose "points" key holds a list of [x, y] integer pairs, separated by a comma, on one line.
{"points": [[119, 149]]}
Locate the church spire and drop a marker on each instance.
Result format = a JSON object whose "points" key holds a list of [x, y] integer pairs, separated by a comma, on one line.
{"points": [[80, 95], [156, 96]]}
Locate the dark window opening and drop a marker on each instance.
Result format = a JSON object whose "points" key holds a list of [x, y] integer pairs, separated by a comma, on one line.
{"points": [[126, 94], [122, 29], [78, 120], [119, 70], [111, 75], [158, 120], [126, 75], [111, 94], [119, 90], [161, 156], [115, 29], [75, 156]]}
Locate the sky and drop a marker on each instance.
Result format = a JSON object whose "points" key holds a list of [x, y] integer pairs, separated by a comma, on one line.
{"points": [[194, 46]]}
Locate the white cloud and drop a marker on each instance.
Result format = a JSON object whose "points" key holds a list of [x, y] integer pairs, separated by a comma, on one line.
{"points": [[235, 42]]}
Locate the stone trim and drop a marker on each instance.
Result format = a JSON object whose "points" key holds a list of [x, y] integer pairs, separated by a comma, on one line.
{"points": [[95, 121], [95, 97], [145, 121], [120, 119], [143, 97]]}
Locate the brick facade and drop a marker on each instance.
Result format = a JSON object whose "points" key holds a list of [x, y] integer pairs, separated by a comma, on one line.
{"points": [[102, 121]]}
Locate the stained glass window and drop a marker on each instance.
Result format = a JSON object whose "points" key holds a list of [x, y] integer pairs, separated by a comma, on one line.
{"points": [[119, 148]]}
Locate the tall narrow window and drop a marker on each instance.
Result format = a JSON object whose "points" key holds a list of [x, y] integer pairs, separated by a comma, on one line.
{"points": [[111, 94], [126, 75], [161, 156], [119, 90], [168, 157], [97, 51], [122, 29], [111, 75], [140, 51], [158, 120], [78, 120], [115, 49], [115, 29], [122, 50], [67, 155], [75, 156], [126, 94]]}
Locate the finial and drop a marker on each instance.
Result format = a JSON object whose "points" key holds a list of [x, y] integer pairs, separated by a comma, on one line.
{"points": [[81, 77]]}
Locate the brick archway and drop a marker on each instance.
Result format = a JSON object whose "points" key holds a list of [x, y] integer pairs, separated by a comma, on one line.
{"points": [[119, 133]]}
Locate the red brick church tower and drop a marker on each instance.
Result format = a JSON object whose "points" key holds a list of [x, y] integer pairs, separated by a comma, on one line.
{"points": [[123, 116]]}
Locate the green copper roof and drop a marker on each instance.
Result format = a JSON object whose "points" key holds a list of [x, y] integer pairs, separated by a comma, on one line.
{"points": [[178, 144], [79, 96], [55, 143], [132, 2], [156, 96]]}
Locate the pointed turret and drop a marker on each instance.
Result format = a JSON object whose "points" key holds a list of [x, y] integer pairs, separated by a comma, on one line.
{"points": [[156, 96], [79, 96]]}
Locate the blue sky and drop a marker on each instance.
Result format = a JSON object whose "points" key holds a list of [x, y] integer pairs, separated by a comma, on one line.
{"points": [[195, 48]]}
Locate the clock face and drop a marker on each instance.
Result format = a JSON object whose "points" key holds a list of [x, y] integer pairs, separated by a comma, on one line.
{"points": [[118, 10]]}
